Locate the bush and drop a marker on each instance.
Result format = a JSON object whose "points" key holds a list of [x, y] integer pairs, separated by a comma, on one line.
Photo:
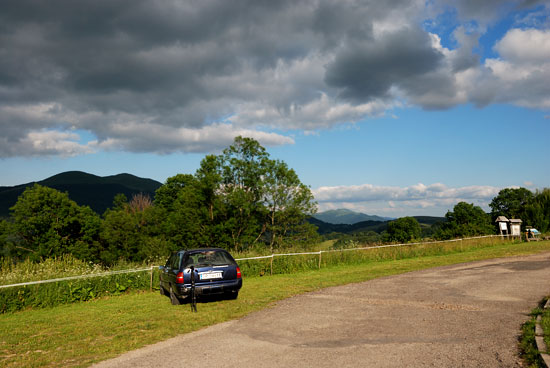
{"points": [[62, 292]]}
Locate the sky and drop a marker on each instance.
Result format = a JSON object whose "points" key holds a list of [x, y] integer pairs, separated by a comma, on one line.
{"points": [[391, 108]]}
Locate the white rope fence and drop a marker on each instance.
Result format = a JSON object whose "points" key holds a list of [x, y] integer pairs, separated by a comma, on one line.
{"points": [[78, 277], [272, 256]]}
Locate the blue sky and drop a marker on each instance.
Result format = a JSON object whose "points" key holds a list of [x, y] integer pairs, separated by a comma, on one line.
{"points": [[390, 110]]}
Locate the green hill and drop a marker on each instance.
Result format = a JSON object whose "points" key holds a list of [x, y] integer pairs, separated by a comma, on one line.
{"points": [[345, 216], [364, 226], [85, 189]]}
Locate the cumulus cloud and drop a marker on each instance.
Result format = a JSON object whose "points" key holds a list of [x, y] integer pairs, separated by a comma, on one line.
{"points": [[45, 143], [524, 68], [394, 200], [139, 138], [149, 76]]}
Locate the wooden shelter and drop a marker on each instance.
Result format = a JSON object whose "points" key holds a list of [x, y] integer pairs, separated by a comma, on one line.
{"points": [[502, 222]]}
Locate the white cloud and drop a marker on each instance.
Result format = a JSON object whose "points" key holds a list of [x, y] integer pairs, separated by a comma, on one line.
{"points": [[181, 69], [522, 73], [46, 143], [417, 199], [529, 46], [144, 137]]}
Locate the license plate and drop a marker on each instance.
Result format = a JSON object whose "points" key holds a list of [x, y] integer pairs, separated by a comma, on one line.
{"points": [[210, 275]]}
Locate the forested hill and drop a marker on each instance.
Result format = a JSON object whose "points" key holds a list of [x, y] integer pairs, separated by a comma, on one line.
{"points": [[364, 226], [85, 189], [345, 216]]}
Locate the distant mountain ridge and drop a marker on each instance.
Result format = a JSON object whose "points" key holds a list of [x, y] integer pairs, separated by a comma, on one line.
{"points": [[85, 189], [365, 226], [347, 217]]}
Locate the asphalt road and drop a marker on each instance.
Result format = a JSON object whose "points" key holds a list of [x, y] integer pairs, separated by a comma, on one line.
{"points": [[466, 315]]}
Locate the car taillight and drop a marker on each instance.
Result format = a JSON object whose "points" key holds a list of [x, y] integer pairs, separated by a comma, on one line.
{"points": [[179, 278], [238, 273]]}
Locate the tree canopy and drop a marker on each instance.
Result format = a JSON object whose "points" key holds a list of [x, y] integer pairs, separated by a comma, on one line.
{"points": [[466, 219], [46, 223], [239, 199], [511, 203], [403, 230]]}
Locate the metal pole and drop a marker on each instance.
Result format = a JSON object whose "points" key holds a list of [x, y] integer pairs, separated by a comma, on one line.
{"points": [[193, 295]]}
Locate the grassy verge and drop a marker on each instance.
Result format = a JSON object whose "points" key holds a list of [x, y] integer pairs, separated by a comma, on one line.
{"points": [[527, 342], [545, 323], [83, 333]]}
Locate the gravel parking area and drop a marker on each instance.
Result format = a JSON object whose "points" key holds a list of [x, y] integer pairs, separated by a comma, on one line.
{"points": [[466, 315]]}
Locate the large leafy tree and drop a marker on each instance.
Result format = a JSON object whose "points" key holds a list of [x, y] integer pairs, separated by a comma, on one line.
{"points": [[538, 211], [465, 220], [243, 166], [264, 200], [133, 231], [46, 223], [238, 199], [511, 202], [403, 230], [287, 202]]}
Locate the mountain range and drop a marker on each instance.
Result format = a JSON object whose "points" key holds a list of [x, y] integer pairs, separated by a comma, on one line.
{"points": [[98, 192], [85, 189], [369, 225], [348, 217]]}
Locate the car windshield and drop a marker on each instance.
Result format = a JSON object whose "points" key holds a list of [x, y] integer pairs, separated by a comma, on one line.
{"points": [[209, 258]]}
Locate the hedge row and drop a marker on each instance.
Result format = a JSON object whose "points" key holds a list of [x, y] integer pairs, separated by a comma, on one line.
{"points": [[63, 292]]}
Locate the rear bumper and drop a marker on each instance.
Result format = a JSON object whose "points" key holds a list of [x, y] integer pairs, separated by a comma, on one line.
{"points": [[211, 288]]}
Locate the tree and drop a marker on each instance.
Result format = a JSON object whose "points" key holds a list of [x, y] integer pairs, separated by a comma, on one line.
{"points": [[465, 220], [236, 200], [538, 211], [263, 199], [511, 203], [133, 231], [403, 230], [168, 193], [243, 167], [46, 223]]}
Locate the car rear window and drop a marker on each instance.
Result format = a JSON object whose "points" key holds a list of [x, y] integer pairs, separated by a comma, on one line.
{"points": [[209, 258]]}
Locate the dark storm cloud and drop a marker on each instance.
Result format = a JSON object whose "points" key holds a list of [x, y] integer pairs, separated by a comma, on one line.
{"points": [[366, 70], [132, 72]]}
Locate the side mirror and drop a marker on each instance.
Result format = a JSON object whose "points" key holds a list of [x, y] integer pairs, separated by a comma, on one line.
{"points": [[161, 268]]}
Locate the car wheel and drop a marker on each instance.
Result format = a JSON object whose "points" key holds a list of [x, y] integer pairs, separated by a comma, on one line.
{"points": [[232, 295], [163, 291], [173, 297]]}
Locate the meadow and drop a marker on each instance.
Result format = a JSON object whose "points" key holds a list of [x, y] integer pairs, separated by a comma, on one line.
{"points": [[81, 333]]}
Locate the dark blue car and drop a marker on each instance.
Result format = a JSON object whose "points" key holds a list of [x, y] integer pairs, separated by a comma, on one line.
{"points": [[215, 271]]}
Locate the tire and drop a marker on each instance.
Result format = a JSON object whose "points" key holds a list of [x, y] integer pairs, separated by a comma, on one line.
{"points": [[174, 298], [163, 291], [232, 295]]}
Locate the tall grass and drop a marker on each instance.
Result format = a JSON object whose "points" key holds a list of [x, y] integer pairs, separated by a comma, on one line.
{"points": [[336, 257], [82, 333], [62, 292]]}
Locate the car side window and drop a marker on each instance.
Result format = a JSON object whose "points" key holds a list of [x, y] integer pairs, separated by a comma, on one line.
{"points": [[176, 261]]}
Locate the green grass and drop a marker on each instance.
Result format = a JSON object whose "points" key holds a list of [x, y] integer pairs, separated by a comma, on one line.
{"points": [[527, 343], [83, 333], [545, 323]]}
